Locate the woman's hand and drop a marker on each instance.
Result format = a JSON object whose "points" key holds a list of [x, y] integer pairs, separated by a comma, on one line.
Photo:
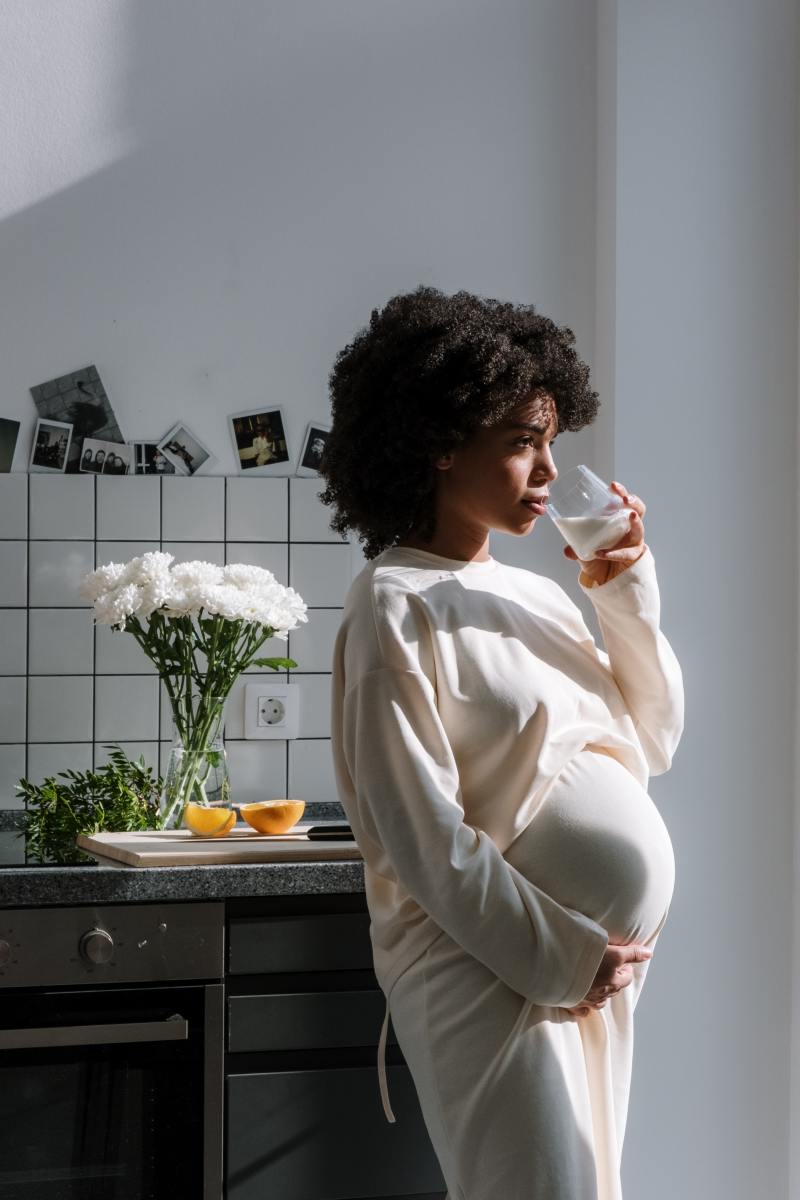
{"points": [[607, 564], [614, 973]]}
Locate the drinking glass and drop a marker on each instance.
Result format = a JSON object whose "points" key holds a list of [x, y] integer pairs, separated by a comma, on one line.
{"points": [[587, 514]]}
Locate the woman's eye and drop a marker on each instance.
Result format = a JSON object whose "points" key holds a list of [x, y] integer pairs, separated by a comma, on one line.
{"points": [[528, 441]]}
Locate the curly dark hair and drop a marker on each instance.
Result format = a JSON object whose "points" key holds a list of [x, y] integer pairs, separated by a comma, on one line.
{"points": [[419, 381]]}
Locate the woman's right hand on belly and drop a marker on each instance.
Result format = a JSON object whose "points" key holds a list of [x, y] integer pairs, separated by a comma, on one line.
{"points": [[614, 973]]}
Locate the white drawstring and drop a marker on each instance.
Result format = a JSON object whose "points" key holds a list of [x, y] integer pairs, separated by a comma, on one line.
{"points": [[387, 1108]]}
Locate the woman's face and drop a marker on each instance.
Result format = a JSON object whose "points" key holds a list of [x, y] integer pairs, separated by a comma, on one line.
{"points": [[490, 476]]}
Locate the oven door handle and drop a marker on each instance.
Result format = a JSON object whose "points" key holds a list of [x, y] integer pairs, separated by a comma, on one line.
{"points": [[173, 1029]]}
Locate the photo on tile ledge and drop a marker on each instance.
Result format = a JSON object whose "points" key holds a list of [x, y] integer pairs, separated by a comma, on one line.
{"points": [[184, 450], [105, 458], [9, 431], [148, 460], [50, 449], [313, 446], [259, 437], [78, 399]]}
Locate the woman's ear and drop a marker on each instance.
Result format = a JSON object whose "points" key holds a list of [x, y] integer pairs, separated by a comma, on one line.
{"points": [[444, 462]]}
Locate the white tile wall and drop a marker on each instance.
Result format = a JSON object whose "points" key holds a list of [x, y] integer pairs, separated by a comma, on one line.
{"points": [[108, 552], [68, 689], [311, 774], [193, 510], [13, 640], [213, 552], [60, 708], [311, 643], [272, 556], [258, 771], [14, 505], [61, 642], [62, 506], [13, 571], [321, 574], [309, 521], [257, 510], [12, 769], [49, 759], [117, 653], [315, 717], [12, 708], [146, 750], [126, 708], [56, 569], [128, 508]]}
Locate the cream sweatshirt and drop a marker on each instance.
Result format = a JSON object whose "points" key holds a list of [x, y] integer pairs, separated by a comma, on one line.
{"points": [[459, 691]]}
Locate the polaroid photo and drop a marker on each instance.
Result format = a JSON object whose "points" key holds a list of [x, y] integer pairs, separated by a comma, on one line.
{"points": [[51, 443], [183, 450], [80, 400], [314, 441], [260, 440], [148, 460], [9, 431], [105, 458]]}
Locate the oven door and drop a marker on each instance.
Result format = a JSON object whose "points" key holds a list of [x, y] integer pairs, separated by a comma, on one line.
{"points": [[111, 1093]]}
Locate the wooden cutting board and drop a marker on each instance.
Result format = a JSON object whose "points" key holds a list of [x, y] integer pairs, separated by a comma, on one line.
{"points": [[182, 848]]}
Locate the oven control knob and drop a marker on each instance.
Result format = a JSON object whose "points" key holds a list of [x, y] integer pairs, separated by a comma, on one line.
{"points": [[96, 947]]}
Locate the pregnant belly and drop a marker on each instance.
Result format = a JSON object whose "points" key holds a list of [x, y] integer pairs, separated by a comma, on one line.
{"points": [[598, 844]]}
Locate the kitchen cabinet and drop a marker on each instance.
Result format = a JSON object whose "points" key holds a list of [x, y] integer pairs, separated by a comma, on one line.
{"points": [[303, 1113]]}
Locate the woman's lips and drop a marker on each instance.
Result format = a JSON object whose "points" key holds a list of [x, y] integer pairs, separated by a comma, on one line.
{"points": [[534, 507]]}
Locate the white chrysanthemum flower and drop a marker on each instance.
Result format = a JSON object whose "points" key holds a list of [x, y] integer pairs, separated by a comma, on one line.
{"points": [[247, 576], [180, 602], [102, 580], [114, 607], [196, 574], [151, 583], [152, 567], [154, 595]]}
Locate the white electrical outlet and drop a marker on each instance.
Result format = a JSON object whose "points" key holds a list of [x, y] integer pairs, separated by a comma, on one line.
{"points": [[271, 710]]}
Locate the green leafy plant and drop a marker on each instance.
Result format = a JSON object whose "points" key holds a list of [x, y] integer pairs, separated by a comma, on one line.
{"points": [[121, 796]]}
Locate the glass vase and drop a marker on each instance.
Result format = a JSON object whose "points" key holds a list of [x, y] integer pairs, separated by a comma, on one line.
{"points": [[197, 771]]}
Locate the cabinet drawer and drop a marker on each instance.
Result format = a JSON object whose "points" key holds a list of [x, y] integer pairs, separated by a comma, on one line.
{"points": [[306, 1020], [307, 942], [322, 1135]]}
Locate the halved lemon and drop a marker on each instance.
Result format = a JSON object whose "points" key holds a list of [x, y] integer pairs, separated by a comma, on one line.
{"points": [[273, 816], [209, 822]]}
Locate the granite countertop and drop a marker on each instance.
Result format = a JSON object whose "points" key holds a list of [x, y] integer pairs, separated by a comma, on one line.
{"points": [[31, 886]]}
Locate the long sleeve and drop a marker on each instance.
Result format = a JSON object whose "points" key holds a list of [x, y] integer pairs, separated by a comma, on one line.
{"points": [[408, 804], [640, 657]]}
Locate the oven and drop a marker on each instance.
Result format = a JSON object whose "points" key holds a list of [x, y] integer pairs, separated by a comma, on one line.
{"points": [[111, 1052]]}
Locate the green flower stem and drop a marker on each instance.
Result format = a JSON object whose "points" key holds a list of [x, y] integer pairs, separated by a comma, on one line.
{"points": [[197, 696]]}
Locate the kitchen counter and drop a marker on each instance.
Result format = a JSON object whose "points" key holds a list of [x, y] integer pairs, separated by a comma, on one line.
{"points": [[32, 886]]}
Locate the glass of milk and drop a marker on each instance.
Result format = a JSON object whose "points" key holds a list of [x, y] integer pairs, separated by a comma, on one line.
{"points": [[587, 514]]}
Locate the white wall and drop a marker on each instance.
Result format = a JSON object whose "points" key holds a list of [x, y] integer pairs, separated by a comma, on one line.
{"points": [[705, 429], [207, 201]]}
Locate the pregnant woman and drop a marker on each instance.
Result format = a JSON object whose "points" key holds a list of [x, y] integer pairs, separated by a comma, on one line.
{"points": [[492, 760]]}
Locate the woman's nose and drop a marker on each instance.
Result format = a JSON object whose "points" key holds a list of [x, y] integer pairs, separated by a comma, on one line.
{"points": [[550, 473]]}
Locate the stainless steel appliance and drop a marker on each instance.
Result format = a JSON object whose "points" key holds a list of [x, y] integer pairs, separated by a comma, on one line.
{"points": [[111, 1052]]}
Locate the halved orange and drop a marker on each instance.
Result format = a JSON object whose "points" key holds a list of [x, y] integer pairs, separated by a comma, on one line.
{"points": [[209, 822], [273, 816]]}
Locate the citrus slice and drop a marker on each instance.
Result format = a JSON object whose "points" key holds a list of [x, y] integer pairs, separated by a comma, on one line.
{"points": [[273, 816], [209, 822]]}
